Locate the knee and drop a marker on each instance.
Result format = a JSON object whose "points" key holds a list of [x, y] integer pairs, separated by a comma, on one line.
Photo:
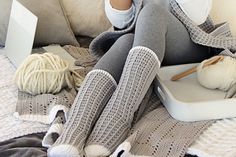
{"points": [[129, 37]]}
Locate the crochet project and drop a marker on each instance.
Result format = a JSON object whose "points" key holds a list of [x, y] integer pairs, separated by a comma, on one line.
{"points": [[158, 134]]}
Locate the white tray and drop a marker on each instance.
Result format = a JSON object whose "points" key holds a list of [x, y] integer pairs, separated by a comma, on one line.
{"points": [[187, 100]]}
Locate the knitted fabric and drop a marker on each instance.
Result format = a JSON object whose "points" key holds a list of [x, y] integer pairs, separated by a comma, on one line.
{"points": [[115, 121], [143, 106], [158, 134], [44, 107], [93, 95], [203, 34], [207, 34], [11, 127], [55, 130], [51, 108], [84, 60], [219, 140]]}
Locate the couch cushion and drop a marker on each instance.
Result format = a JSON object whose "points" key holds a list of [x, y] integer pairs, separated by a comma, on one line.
{"points": [[87, 17], [53, 26], [225, 11]]}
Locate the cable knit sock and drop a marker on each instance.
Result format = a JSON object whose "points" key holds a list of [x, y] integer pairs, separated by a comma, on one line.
{"points": [[114, 123], [94, 93]]}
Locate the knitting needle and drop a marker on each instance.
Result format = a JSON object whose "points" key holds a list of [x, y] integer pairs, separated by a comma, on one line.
{"points": [[211, 61]]}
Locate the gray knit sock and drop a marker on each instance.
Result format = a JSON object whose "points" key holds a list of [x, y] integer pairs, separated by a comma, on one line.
{"points": [[94, 93], [114, 123]]}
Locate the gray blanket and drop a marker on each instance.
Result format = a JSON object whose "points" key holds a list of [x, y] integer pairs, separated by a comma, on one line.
{"points": [[27, 146]]}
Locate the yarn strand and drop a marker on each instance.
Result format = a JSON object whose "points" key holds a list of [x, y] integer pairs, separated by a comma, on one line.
{"points": [[45, 73]]}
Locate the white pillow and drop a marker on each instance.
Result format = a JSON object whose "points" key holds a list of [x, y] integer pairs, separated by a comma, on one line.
{"points": [[87, 17], [224, 10]]}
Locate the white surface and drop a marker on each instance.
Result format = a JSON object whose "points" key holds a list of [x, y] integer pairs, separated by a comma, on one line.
{"points": [[187, 100], [11, 127], [20, 34], [2, 51]]}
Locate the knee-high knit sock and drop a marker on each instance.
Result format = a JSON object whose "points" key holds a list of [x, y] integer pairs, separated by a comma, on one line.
{"points": [[114, 123], [93, 95]]}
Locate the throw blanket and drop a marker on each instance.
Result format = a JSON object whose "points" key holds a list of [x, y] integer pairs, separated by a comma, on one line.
{"points": [[11, 127], [219, 140], [145, 137], [53, 108], [158, 134]]}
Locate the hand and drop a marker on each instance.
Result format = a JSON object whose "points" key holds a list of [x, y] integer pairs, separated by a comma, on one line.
{"points": [[231, 93]]}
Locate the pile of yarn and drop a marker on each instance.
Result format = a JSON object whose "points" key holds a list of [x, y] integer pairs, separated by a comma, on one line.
{"points": [[221, 75], [45, 73]]}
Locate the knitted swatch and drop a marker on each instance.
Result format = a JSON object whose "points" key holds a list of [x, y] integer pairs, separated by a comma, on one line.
{"points": [[219, 140], [158, 134], [115, 121], [44, 107], [93, 95]]}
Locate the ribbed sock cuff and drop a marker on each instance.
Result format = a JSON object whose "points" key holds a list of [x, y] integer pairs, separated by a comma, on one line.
{"points": [[105, 73], [136, 48]]}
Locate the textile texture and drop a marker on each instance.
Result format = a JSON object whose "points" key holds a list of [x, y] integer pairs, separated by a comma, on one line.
{"points": [[93, 95], [158, 134], [45, 108], [11, 127], [115, 121]]}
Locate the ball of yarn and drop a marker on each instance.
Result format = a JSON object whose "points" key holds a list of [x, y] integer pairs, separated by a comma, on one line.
{"points": [[43, 73], [221, 75]]}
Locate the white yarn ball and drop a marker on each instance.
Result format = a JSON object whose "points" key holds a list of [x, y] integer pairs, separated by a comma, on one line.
{"points": [[43, 73], [221, 75]]}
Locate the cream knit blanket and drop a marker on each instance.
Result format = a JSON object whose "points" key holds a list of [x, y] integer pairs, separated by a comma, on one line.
{"points": [[219, 140], [11, 127]]}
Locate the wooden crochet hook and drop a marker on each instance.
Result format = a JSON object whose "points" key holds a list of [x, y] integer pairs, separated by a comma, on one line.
{"points": [[211, 61]]}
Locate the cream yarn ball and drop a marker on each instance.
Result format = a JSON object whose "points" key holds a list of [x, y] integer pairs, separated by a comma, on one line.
{"points": [[43, 73], [221, 75]]}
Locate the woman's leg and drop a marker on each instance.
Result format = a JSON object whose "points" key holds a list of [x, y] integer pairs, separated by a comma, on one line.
{"points": [[151, 38], [94, 93], [160, 31]]}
